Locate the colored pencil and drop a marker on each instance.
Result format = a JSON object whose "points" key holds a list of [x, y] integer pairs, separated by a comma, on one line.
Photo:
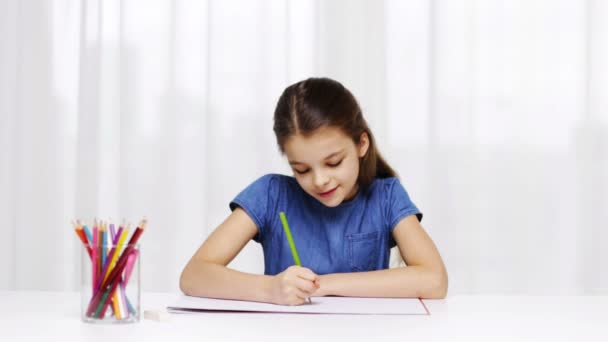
{"points": [[112, 232], [95, 256], [88, 233], [104, 244], [292, 245], [83, 238], [113, 257]]}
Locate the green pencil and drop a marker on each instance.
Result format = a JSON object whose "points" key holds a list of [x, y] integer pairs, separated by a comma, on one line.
{"points": [[292, 245]]}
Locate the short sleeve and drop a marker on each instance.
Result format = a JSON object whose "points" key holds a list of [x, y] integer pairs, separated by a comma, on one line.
{"points": [[258, 200], [399, 204]]}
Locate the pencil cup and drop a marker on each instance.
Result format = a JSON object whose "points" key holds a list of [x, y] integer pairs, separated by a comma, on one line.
{"points": [[110, 285]]}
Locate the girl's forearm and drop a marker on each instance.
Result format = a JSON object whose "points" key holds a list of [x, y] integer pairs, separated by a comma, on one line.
{"points": [[217, 281], [411, 281]]}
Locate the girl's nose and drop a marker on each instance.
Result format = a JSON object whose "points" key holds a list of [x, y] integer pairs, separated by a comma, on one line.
{"points": [[320, 179]]}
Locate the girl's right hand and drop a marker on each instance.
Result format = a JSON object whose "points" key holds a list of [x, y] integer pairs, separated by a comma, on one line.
{"points": [[293, 286]]}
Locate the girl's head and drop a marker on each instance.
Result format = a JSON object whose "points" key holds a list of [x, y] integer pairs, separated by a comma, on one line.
{"points": [[320, 127]]}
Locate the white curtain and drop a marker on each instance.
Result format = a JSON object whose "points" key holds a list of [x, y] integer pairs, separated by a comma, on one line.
{"points": [[495, 114]]}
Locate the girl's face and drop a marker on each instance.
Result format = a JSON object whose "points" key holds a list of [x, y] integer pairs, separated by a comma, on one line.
{"points": [[326, 163]]}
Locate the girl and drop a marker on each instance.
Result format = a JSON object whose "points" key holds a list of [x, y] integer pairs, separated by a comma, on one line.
{"points": [[345, 207]]}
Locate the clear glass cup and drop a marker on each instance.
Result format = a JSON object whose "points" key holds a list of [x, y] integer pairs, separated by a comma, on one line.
{"points": [[112, 293]]}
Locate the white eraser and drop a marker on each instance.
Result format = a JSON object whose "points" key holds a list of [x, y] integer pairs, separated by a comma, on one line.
{"points": [[157, 315]]}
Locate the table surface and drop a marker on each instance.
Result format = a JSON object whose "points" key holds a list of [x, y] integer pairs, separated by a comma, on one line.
{"points": [[53, 316]]}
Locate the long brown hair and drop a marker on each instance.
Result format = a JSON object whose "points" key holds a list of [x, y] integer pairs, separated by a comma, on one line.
{"points": [[314, 103]]}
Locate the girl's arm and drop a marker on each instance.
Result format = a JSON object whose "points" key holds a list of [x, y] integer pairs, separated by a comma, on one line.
{"points": [[424, 277], [206, 274]]}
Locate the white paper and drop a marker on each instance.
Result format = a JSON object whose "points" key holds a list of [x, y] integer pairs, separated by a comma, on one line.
{"points": [[320, 305]]}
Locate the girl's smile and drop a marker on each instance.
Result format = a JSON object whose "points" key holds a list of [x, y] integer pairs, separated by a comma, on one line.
{"points": [[328, 193]]}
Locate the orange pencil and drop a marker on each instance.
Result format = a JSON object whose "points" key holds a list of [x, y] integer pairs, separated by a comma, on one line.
{"points": [[82, 236]]}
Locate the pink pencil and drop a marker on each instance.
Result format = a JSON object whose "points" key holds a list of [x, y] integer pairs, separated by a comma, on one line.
{"points": [[130, 264]]}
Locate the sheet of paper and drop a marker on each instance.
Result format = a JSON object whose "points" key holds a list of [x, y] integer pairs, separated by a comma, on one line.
{"points": [[320, 305]]}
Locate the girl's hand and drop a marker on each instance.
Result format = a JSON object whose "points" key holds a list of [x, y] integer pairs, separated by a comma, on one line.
{"points": [[293, 286]]}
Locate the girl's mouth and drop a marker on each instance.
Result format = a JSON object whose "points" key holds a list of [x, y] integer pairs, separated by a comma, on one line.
{"points": [[328, 193]]}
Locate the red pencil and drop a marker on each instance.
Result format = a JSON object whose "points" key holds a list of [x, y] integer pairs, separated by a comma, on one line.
{"points": [[83, 238], [96, 256]]}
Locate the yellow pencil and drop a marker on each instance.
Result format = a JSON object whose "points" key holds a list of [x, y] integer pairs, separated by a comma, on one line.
{"points": [[121, 241]]}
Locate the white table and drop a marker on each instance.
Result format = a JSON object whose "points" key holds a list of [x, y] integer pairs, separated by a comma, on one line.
{"points": [[55, 316]]}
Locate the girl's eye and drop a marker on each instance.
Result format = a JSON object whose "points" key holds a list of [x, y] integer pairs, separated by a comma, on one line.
{"points": [[300, 172], [336, 164]]}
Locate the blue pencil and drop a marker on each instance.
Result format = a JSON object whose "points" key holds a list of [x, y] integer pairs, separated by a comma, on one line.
{"points": [[88, 232], [104, 246]]}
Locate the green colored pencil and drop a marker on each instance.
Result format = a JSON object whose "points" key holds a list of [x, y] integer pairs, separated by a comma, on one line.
{"points": [[294, 252], [292, 245]]}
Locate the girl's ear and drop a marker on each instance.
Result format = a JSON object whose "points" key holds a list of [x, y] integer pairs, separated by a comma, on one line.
{"points": [[363, 144]]}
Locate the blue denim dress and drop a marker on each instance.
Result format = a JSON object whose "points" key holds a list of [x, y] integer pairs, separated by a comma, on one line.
{"points": [[352, 237]]}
